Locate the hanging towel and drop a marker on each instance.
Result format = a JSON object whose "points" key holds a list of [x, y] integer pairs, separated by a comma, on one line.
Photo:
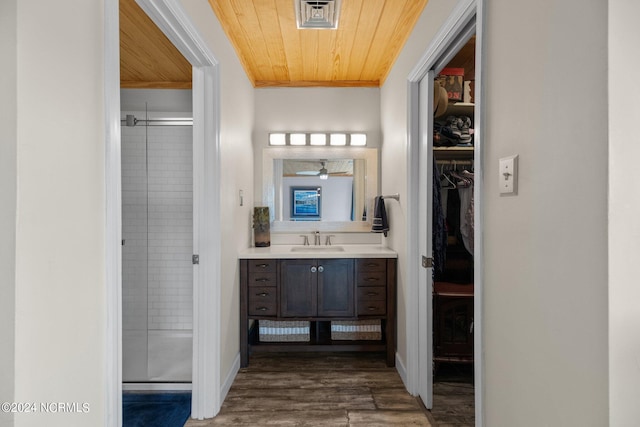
{"points": [[380, 223]]}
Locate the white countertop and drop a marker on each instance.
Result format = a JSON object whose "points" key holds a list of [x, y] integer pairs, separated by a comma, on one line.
{"points": [[335, 251]]}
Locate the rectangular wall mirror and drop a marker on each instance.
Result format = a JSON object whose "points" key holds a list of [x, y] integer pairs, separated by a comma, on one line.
{"points": [[346, 181]]}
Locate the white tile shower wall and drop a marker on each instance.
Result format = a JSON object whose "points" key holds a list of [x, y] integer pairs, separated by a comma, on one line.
{"points": [[170, 227], [157, 228], [134, 229]]}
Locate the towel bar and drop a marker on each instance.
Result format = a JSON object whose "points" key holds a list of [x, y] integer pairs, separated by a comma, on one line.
{"points": [[393, 196]]}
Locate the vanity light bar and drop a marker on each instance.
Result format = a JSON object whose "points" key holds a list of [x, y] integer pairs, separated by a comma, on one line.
{"points": [[359, 139], [297, 139], [338, 139], [318, 139], [277, 139]]}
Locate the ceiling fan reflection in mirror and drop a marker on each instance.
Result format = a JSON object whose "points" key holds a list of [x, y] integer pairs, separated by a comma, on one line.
{"points": [[324, 171]]}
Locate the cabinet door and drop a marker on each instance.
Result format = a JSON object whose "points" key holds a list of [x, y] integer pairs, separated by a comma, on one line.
{"points": [[297, 288], [335, 288]]}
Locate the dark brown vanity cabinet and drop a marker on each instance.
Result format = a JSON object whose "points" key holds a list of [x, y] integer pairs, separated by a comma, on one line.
{"points": [[316, 288], [371, 281], [262, 289], [320, 292]]}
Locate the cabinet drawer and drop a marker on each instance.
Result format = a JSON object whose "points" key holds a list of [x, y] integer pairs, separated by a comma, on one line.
{"points": [[262, 279], [262, 266], [263, 293], [371, 278], [261, 306], [372, 308], [371, 293], [371, 264]]}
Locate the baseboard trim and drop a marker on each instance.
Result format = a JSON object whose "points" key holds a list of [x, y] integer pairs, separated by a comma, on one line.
{"points": [[231, 376], [156, 386], [402, 371]]}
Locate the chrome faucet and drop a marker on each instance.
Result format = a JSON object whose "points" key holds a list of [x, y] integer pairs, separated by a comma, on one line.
{"points": [[316, 240], [305, 242], [328, 241]]}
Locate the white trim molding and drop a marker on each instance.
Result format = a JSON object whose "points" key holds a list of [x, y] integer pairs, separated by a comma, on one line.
{"points": [[231, 376], [113, 225], [172, 19]]}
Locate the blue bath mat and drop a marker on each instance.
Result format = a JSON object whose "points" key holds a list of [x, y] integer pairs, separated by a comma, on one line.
{"points": [[155, 409]]}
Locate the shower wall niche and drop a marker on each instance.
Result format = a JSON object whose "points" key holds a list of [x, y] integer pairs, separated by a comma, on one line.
{"points": [[157, 233]]}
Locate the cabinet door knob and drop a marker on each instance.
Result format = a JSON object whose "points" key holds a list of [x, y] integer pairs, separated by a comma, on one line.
{"points": [[262, 308], [262, 294], [321, 269], [314, 269]]}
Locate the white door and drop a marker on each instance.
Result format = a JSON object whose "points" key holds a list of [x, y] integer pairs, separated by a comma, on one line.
{"points": [[425, 277]]}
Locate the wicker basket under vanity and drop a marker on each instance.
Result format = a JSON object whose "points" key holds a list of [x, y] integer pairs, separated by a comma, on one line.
{"points": [[366, 330], [284, 331]]}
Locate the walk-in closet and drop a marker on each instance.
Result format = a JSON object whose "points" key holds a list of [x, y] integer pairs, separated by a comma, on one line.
{"points": [[453, 238]]}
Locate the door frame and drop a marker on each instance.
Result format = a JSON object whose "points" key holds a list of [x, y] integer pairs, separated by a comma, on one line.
{"points": [[419, 340], [173, 21]]}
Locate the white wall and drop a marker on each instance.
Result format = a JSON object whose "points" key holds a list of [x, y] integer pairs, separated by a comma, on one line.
{"points": [[237, 123], [8, 134], [545, 249], [624, 205], [156, 100], [60, 291]]}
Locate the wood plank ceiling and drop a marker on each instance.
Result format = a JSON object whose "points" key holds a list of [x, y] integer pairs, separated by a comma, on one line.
{"points": [[361, 52], [148, 60], [273, 52]]}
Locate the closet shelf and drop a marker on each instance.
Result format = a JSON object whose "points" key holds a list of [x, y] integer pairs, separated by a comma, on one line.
{"points": [[459, 109], [453, 153], [461, 149]]}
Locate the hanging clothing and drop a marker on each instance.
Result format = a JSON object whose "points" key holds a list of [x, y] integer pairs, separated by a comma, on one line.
{"points": [[466, 211], [438, 225]]}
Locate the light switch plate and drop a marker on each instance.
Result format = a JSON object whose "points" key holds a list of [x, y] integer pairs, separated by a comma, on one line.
{"points": [[508, 176]]}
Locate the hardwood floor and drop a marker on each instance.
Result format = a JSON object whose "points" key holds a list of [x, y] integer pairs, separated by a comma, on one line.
{"points": [[453, 396], [340, 389], [318, 389]]}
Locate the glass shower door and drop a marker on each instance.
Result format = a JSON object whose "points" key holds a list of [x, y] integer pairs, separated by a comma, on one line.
{"points": [[157, 232]]}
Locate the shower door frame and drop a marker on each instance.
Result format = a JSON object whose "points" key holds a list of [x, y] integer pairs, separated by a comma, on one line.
{"points": [[170, 17]]}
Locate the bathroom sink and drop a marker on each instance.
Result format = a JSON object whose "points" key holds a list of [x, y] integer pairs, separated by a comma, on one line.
{"points": [[317, 249]]}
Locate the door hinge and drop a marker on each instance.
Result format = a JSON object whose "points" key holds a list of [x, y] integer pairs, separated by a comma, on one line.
{"points": [[427, 262], [195, 259]]}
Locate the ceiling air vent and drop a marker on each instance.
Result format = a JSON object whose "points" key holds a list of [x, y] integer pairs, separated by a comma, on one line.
{"points": [[317, 14]]}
